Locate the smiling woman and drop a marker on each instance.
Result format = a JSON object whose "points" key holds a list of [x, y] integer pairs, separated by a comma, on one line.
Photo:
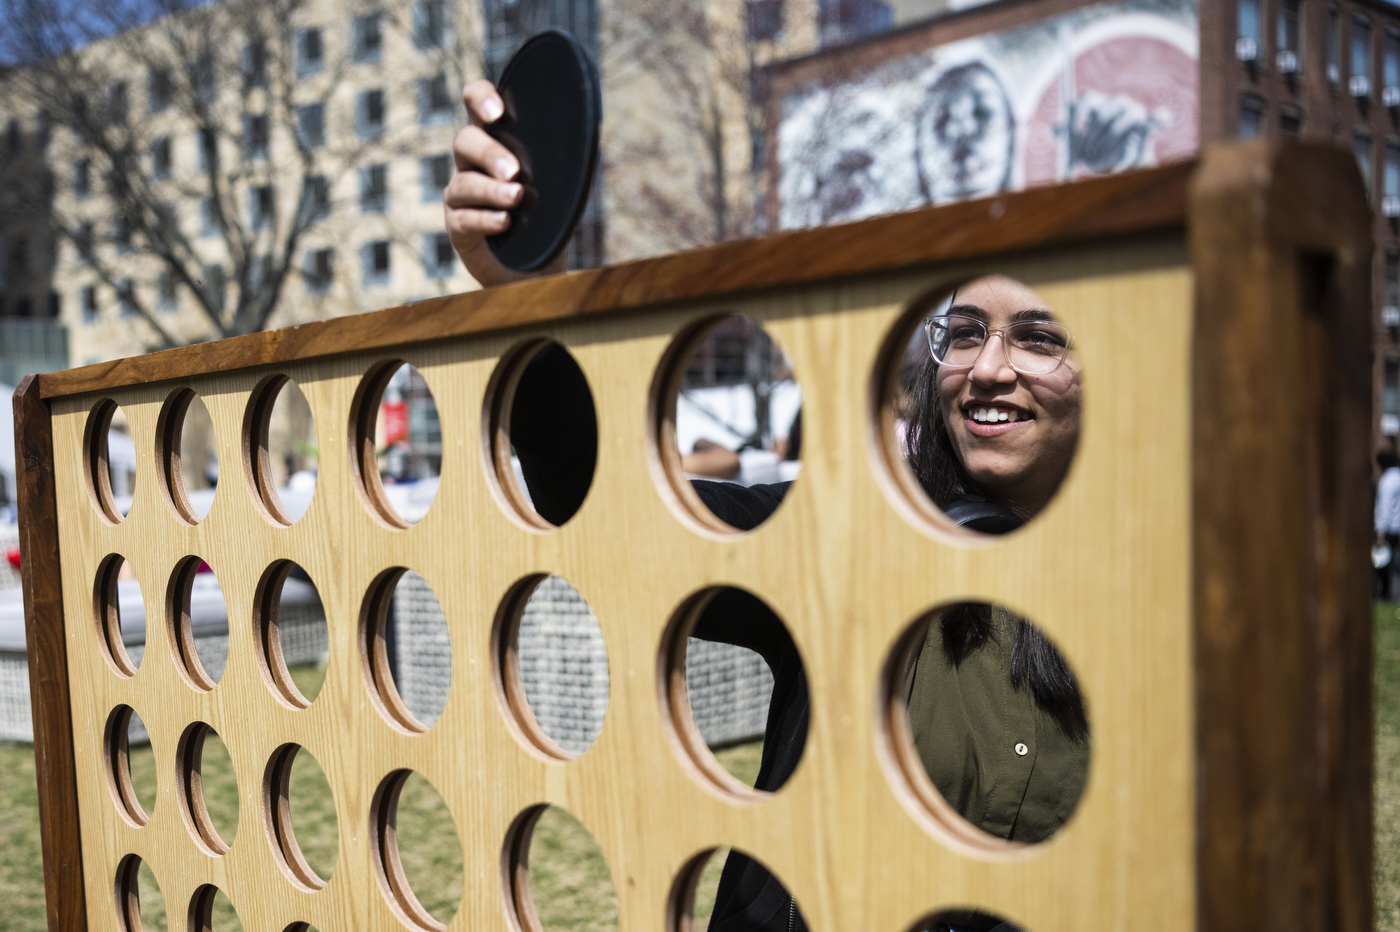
{"points": [[992, 407]]}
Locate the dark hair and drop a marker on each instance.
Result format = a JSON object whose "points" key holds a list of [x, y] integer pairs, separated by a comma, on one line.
{"points": [[1034, 660], [1387, 458]]}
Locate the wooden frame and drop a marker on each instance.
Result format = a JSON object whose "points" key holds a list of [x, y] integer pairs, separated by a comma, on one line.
{"points": [[1204, 568]]}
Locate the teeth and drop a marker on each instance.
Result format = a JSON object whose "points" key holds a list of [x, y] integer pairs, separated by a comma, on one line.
{"points": [[992, 415]]}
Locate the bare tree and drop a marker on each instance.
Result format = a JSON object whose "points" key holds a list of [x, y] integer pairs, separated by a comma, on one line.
{"points": [[262, 97]]}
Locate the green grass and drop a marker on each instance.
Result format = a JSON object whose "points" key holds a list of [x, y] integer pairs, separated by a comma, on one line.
{"points": [[570, 883]]}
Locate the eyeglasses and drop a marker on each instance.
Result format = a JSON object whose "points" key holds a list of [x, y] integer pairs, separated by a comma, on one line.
{"points": [[1033, 347]]}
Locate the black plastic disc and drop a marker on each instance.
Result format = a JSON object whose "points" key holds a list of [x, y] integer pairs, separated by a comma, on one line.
{"points": [[553, 108]]}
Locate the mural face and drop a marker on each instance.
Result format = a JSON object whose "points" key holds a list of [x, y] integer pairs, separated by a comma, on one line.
{"points": [[1096, 91]]}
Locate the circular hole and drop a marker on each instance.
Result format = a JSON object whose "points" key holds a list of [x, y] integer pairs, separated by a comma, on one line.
{"points": [[197, 623], [279, 449], [554, 875], [210, 911], [109, 461], [305, 837], [725, 715], [981, 441], [551, 668], [725, 416], [965, 918], [119, 611], [290, 628], [396, 446], [208, 788], [984, 726], [405, 651], [130, 765], [186, 456], [724, 887], [138, 910], [540, 434], [417, 854]]}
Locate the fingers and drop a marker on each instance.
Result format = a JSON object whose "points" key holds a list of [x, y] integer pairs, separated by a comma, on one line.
{"points": [[473, 189], [474, 150], [484, 105], [470, 223]]}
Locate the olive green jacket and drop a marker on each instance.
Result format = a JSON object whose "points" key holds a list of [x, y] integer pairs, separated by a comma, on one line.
{"points": [[999, 759]]}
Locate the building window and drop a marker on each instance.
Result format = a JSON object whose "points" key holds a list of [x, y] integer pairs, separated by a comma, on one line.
{"points": [[126, 297], [255, 63], [311, 125], [369, 113], [1390, 182], [316, 197], [18, 258], [261, 206], [1334, 45], [841, 21], [256, 133], [1251, 117], [1361, 145], [160, 158], [214, 285], [167, 299], [439, 261], [310, 55], [1247, 31], [1290, 37], [763, 20], [1390, 67], [1360, 83], [88, 300], [374, 259], [82, 178], [121, 233], [435, 171], [117, 109], [55, 305], [318, 270], [82, 242], [374, 189], [160, 90], [43, 128], [207, 142], [12, 137], [1290, 122], [434, 100], [429, 24], [368, 39], [1390, 399], [204, 78], [208, 218], [1391, 309]]}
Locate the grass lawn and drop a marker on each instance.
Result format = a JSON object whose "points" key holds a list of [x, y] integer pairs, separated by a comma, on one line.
{"points": [[570, 882]]}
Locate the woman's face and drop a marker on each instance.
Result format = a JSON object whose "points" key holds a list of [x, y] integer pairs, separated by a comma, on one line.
{"points": [[1020, 460]]}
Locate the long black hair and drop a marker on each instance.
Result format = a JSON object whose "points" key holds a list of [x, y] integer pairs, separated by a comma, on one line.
{"points": [[1035, 663]]}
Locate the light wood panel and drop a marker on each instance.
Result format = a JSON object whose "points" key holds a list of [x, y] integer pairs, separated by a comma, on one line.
{"points": [[1112, 570]]}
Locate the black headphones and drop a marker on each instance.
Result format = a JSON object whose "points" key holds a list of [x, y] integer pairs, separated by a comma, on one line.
{"points": [[983, 514]]}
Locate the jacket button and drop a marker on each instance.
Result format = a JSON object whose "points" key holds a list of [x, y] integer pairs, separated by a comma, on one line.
{"points": [[1022, 750]]}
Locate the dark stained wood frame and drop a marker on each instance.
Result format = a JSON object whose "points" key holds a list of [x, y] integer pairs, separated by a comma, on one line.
{"points": [[1280, 247], [1280, 243], [48, 662]]}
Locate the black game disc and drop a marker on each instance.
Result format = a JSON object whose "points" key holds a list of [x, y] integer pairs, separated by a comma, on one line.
{"points": [[553, 108]]}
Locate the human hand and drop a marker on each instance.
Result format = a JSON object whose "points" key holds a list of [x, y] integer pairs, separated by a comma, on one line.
{"points": [[482, 190]]}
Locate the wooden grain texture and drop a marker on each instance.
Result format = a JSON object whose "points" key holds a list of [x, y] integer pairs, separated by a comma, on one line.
{"points": [[48, 662], [1281, 435], [1203, 570], [1133, 202], [842, 562]]}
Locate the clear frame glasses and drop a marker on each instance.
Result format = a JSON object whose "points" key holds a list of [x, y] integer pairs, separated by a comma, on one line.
{"points": [[1032, 347]]}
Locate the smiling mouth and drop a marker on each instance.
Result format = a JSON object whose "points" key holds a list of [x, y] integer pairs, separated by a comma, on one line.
{"points": [[994, 414]]}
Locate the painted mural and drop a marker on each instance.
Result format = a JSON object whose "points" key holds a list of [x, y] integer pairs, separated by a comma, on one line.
{"points": [[1100, 90]]}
